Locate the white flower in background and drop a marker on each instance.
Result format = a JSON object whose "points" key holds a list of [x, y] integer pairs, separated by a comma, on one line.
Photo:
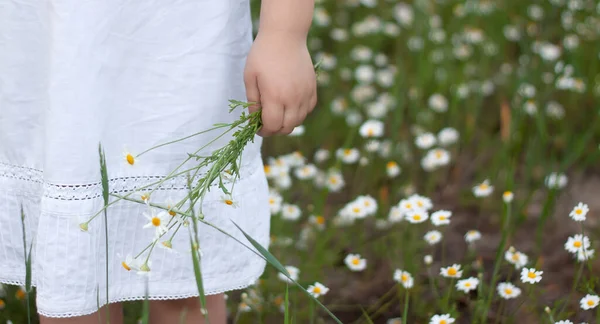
{"points": [[371, 128], [404, 14], [530, 107], [369, 3], [515, 257], [283, 181], [571, 42], [321, 17], [472, 236], [348, 156], [556, 180], [385, 77], [395, 215], [589, 302], [441, 217], [437, 158], [579, 212], [334, 181], [531, 275], [293, 271], [317, 221], [372, 146], [275, 201], [421, 202], [306, 172], [555, 110], [317, 290], [339, 34], [549, 52], [507, 290], [564, 322], [130, 263], [425, 141], [535, 12], [452, 271], [527, 90], [467, 285], [361, 53], [507, 197], [428, 259], [483, 189], [576, 243], [441, 319], [392, 169], [369, 203], [355, 210], [355, 263], [438, 103], [290, 212], [416, 216], [322, 155], [298, 131], [157, 221], [584, 255], [395, 320], [512, 33], [364, 74], [433, 237], [407, 205], [404, 278], [448, 136]]}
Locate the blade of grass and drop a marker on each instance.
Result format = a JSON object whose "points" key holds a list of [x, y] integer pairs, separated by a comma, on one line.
{"points": [[286, 312], [27, 258], [104, 180]]}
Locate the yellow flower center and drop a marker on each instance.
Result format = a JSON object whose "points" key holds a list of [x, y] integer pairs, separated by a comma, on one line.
{"points": [[508, 291], [367, 203], [317, 290], [130, 159], [172, 213], [483, 186], [145, 197], [443, 322], [267, 169], [531, 274], [355, 261], [229, 202], [272, 201], [408, 205], [333, 180], [417, 217], [126, 266], [577, 244], [507, 194], [347, 151], [156, 221], [404, 277], [442, 218], [356, 210], [20, 294], [452, 271], [438, 154], [515, 257], [320, 220], [2, 304], [370, 132], [590, 302], [578, 211], [467, 284], [391, 164]]}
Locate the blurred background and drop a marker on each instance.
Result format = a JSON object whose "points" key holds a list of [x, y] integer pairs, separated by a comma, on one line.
{"points": [[485, 109]]}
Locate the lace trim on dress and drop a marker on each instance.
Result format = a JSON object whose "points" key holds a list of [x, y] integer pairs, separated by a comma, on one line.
{"points": [[94, 190]]}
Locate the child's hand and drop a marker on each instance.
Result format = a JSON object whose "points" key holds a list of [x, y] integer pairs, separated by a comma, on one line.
{"points": [[280, 76]]}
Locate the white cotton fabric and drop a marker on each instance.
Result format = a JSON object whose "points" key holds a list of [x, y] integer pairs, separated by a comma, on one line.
{"points": [[128, 74]]}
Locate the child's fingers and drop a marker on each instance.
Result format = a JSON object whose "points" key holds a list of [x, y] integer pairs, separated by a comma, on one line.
{"points": [[272, 117], [252, 93]]}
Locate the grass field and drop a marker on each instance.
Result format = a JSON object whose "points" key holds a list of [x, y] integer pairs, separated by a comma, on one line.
{"points": [[444, 165]]}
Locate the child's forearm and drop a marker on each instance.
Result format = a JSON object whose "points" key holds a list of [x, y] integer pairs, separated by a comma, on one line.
{"points": [[292, 17]]}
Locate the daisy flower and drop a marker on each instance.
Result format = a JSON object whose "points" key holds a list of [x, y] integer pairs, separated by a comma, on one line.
{"points": [[433, 237], [406, 205], [589, 301], [348, 156], [468, 284], [563, 322], [421, 202], [438, 103], [334, 181], [306, 172], [452, 271], [130, 263], [583, 255], [441, 217], [515, 257], [530, 275], [293, 271], [447, 136], [228, 200], [157, 221], [507, 197], [318, 221], [317, 290], [404, 278], [556, 180], [579, 212], [576, 243], [355, 263], [417, 216], [425, 141], [441, 319], [371, 128], [507, 290], [275, 201], [144, 269], [472, 236], [392, 169], [483, 189], [395, 215], [129, 158], [290, 212]]}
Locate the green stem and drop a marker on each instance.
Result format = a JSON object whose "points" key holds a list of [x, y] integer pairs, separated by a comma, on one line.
{"points": [[405, 313]]}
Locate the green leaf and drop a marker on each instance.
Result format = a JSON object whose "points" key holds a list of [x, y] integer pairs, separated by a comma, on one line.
{"points": [[366, 316], [286, 312], [275, 263], [198, 275]]}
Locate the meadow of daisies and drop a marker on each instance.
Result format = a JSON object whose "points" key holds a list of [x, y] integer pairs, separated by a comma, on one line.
{"points": [[448, 175]]}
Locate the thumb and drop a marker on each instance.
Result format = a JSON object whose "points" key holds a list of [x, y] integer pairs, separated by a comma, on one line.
{"points": [[252, 92]]}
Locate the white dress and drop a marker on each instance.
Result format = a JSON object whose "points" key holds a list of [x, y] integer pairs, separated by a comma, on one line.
{"points": [[128, 74]]}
